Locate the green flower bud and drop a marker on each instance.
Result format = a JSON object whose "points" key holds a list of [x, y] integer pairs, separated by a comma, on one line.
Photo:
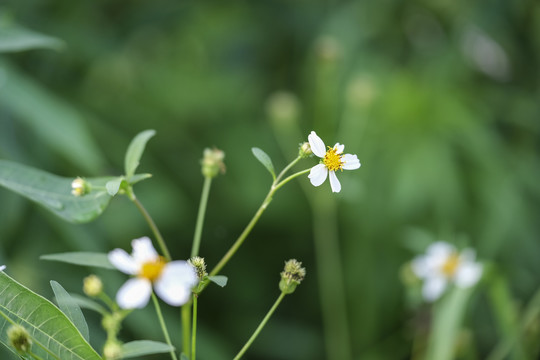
{"points": [[212, 162], [19, 338], [79, 187], [112, 350], [199, 265], [112, 322], [304, 150], [92, 285], [291, 276]]}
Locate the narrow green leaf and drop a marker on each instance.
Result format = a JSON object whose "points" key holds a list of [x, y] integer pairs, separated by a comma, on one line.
{"points": [[81, 258], [54, 192], [219, 280], [138, 177], [265, 160], [144, 347], [85, 303], [71, 309], [49, 328], [135, 151], [113, 186], [14, 38]]}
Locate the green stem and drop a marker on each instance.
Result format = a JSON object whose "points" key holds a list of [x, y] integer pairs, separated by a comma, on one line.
{"points": [[287, 169], [186, 331], [152, 225], [194, 330], [34, 356], [162, 324], [260, 327], [200, 216]]}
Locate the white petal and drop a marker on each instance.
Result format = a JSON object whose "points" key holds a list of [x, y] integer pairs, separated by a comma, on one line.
{"points": [[134, 294], [317, 145], [175, 283], [433, 288], [420, 267], [123, 262], [468, 274], [339, 148], [143, 250], [350, 162], [438, 253], [334, 182], [318, 174], [2, 267]]}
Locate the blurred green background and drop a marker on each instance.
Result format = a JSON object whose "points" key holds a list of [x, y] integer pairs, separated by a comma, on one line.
{"points": [[439, 99]]}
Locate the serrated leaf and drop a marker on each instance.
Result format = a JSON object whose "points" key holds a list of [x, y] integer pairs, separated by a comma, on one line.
{"points": [[46, 324], [71, 309], [85, 303], [135, 151], [144, 347], [113, 186], [219, 280], [54, 192], [265, 160], [81, 258], [14, 38]]}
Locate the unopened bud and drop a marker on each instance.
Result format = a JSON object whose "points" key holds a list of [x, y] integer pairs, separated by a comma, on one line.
{"points": [[212, 162], [112, 350], [291, 276], [79, 187], [304, 150], [19, 338], [200, 266], [92, 285]]}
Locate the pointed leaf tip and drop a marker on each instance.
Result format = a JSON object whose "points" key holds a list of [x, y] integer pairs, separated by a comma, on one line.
{"points": [[135, 151], [265, 160]]}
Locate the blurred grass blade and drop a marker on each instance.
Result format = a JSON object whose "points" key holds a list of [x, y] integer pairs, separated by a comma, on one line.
{"points": [[144, 347], [14, 38], [265, 160], [71, 309], [59, 125], [49, 328], [448, 315], [54, 192], [81, 258], [135, 151]]}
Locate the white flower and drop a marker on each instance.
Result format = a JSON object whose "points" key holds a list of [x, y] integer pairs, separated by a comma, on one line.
{"points": [[172, 281], [441, 265], [333, 159], [2, 267]]}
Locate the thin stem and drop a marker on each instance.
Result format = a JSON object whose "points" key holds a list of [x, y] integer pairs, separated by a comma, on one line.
{"points": [[284, 171], [152, 225], [186, 331], [200, 216], [162, 324], [260, 327], [194, 330], [290, 177]]}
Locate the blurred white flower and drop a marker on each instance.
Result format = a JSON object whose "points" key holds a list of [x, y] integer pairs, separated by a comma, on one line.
{"points": [[441, 265], [333, 159], [172, 281], [2, 267]]}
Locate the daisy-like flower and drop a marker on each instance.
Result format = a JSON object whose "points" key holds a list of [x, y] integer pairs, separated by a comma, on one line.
{"points": [[172, 281], [443, 264], [333, 160]]}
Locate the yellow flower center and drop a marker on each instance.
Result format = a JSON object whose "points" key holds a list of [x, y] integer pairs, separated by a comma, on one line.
{"points": [[450, 265], [332, 160], [152, 270]]}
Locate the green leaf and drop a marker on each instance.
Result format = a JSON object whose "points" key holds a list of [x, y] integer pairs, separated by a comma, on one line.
{"points": [[135, 151], [184, 357], [265, 160], [81, 258], [144, 347], [71, 309], [85, 303], [49, 328], [447, 318], [113, 186], [138, 177], [14, 38], [219, 280], [54, 192]]}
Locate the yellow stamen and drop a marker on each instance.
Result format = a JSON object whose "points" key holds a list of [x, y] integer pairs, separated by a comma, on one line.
{"points": [[332, 160], [152, 270], [450, 265]]}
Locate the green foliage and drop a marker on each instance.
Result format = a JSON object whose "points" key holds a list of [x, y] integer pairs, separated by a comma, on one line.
{"points": [[80, 258], [219, 280], [135, 151], [144, 347], [71, 309], [14, 38], [265, 160], [54, 336]]}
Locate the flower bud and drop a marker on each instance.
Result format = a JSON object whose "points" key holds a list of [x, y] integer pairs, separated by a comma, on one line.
{"points": [[79, 187], [92, 285], [212, 162], [304, 150], [200, 266], [291, 276], [19, 338], [112, 350]]}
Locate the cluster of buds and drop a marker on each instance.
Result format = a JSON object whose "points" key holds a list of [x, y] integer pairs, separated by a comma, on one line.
{"points": [[200, 266], [212, 162], [291, 276], [19, 338]]}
